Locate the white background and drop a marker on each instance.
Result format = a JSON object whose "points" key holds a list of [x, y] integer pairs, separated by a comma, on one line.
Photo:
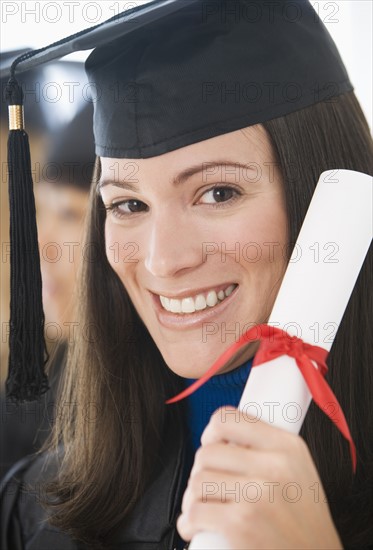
{"points": [[36, 24]]}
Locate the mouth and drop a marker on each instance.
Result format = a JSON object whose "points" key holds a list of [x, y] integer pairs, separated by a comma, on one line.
{"points": [[194, 309], [197, 302]]}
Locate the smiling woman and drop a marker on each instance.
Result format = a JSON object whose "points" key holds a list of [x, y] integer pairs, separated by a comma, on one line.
{"points": [[194, 210]]}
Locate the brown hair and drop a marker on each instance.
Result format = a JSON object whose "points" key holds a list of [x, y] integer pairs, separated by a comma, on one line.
{"points": [[115, 368]]}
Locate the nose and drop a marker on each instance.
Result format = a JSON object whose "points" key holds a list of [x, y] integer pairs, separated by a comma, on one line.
{"points": [[47, 235], [43, 231], [173, 246]]}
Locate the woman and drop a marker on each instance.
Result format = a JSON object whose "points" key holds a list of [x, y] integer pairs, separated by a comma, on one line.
{"points": [[121, 458], [62, 198]]}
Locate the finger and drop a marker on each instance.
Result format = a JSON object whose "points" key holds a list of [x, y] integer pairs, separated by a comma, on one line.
{"points": [[222, 519], [212, 486], [202, 517], [224, 457], [229, 424]]}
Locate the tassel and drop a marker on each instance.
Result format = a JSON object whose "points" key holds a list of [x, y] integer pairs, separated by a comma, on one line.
{"points": [[26, 380]]}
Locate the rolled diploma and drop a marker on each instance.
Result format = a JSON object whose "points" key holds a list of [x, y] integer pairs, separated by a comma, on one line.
{"points": [[326, 261]]}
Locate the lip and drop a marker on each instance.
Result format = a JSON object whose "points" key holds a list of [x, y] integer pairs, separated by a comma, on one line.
{"points": [[177, 321]]}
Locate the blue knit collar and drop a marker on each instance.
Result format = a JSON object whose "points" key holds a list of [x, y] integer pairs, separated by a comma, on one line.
{"points": [[219, 390], [234, 378]]}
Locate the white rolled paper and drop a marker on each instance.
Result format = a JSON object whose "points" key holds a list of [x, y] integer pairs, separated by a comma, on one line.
{"points": [[320, 277]]}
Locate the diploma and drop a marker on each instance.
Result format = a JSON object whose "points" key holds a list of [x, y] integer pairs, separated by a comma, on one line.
{"points": [[321, 274]]}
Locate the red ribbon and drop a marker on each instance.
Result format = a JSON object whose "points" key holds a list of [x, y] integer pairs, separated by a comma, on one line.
{"points": [[275, 343]]}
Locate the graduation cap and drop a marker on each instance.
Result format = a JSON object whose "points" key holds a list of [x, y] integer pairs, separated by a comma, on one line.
{"points": [[71, 156], [163, 75]]}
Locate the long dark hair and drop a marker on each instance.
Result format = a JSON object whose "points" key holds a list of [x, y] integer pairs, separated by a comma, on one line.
{"points": [[118, 379]]}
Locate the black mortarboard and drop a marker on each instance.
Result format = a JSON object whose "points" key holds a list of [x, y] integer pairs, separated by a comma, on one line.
{"points": [[68, 153], [71, 156], [165, 75]]}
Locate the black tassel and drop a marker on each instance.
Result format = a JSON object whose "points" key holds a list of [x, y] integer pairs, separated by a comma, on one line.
{"points": [[27, 380]]}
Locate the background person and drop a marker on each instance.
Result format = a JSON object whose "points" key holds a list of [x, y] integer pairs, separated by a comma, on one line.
{"points": [[63, 167]]}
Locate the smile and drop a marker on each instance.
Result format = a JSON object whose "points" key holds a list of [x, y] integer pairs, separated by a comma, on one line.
{"points": [[199, 302]]}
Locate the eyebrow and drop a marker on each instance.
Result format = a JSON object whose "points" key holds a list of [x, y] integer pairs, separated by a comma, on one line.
{"points": [[180, 178]]}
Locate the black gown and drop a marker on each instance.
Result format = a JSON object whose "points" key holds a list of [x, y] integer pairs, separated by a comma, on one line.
{"points": [[151, 525], [25, 427]]}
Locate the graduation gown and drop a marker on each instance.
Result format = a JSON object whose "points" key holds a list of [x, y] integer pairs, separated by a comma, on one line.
{"points": [[26, 426], [151, 525]]}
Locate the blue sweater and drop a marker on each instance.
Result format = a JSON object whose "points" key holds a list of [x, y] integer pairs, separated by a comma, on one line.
{"points": [[221, 389]]}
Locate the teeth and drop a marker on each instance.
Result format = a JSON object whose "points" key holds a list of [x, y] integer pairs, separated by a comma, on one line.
{"points": [[212, 298], [175, 306], [165, 302], [229, 290], [221, 295], [187, 305], [198, 303]]}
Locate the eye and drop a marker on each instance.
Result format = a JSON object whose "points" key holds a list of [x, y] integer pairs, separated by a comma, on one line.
{"points": [[220, 194], [126, 208]]}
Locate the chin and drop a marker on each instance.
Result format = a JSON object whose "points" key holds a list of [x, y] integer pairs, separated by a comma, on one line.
{"points": [[188, 368], [186, 372]]}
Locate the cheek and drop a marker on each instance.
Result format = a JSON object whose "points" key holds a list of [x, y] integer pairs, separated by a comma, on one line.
{"points": [[268, 220], [121, 253], [257, 238], [271, 236], [111, 238]]}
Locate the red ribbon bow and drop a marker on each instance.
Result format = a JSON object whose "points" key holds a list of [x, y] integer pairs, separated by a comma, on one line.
{"points": [[275, 343]]}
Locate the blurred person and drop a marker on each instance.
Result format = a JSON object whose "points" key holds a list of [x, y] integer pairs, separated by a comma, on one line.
{"points": [[40, 88], [63, 167], [61, 202]]}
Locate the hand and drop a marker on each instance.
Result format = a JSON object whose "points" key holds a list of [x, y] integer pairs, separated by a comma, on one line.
{"points": [[255, 484]]}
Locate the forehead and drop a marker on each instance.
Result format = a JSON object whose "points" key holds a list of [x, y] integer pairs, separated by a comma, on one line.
{"points": [[249, 145]]}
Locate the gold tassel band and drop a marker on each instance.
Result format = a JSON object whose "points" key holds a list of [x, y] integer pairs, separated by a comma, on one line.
{"points": [[16, 121]]}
